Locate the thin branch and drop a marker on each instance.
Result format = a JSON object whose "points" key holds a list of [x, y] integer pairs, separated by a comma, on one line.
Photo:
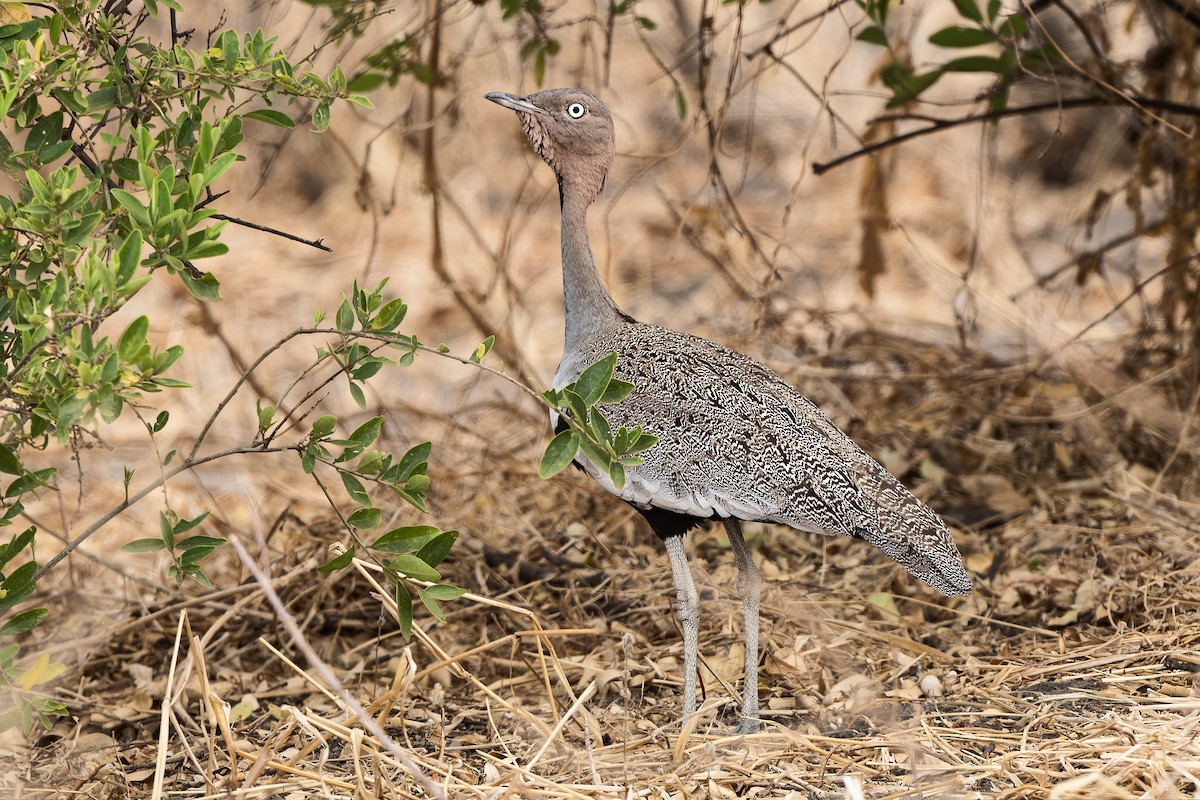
{"points": [[192, 461], [134, 498], [1081, 26], [938, 125], [323, 671], [1096, 252], [1137, 289], [245, 376], [317, 243], [833, 6]]}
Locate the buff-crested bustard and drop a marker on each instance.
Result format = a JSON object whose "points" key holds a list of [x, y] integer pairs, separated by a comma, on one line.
{"points": [[736, 441]]}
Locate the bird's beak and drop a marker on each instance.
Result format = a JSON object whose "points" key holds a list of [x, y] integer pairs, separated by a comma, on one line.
{"points": [[514, 103]]}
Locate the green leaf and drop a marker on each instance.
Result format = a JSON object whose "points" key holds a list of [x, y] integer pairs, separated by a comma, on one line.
{"points": [[266, 415], [18, 543], [483, 349], [320, 116], [410, 463], [24, 622], [356, 393], [9, 462], [595, 455], [958, 36], [642, 443], [407, 539], [195, 573], [128, 257], [976, 64], [539, 67], [134, 338], [365, 82], [185, 525], [206, 287], [404, 611], [143, 546], [1036, 58], [190, 559], [616, 473], [18, 586], [444, 591], [885, 602], [431, 604], [599, 425], [414, 568], [559, 453], [271, 117], [368, 432], [616, 391], [365, 518], [435, 552], [323, 425], [391, 315], [344, 320], [200, 542], [880, 10], [594, 380], [131, 204], [905, 85], [355, 488], [872, 34], [47, 131], [1015, 26], [29, 482], [575, 404], [340, 562], [230, 49], [968, 9]]}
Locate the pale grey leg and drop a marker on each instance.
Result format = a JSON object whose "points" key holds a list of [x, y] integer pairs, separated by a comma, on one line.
{"points": [[749, 589], [689, 618]]}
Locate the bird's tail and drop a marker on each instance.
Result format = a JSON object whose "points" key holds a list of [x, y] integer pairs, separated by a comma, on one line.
{"points": [[909, 532]]}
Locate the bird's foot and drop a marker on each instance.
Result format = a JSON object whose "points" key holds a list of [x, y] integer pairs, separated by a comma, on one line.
{"points": [[747, 726]]}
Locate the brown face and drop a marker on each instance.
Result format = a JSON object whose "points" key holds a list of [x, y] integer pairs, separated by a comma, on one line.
{"points": [[570, 129]]}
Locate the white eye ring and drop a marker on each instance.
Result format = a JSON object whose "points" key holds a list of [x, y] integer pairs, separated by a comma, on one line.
{"points": [[576, 110]]}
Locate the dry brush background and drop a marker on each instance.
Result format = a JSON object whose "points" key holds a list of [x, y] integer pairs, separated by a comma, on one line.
{"points": [[1056, 434]]}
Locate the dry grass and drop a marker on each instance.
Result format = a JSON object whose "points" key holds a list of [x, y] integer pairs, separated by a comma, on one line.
{"points": [[1071, 672]]}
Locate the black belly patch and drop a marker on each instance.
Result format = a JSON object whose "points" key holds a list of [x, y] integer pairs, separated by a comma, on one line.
{"points": [[671, 523]]}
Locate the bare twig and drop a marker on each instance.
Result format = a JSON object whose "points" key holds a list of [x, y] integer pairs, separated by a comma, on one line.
{"points": [[938, 125], [318, 665], [317, 243]]}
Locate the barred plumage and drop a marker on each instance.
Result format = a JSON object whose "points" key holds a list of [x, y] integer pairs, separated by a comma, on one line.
{"points": [[736, 441]]}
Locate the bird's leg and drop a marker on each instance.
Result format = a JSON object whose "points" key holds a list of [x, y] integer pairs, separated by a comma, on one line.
{"points": [[749, 589], [689, 618]]}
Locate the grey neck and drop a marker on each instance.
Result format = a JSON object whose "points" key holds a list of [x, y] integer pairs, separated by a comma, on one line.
{"points": [[588, 305]]}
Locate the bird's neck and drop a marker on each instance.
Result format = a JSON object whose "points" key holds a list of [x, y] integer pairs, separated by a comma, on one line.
{"points": [[588, 305]]}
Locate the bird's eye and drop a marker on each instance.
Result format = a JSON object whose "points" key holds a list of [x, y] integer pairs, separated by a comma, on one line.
{"points": [[576, 110]]}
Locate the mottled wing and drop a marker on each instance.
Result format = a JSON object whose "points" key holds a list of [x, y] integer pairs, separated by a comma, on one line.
{"points": [[735, 439]]}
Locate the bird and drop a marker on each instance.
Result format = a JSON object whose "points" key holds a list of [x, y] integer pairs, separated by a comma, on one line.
{"points": [[736, 442]]}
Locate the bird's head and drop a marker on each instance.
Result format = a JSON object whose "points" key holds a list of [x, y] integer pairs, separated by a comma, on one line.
{"points": [[571, 130]]}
